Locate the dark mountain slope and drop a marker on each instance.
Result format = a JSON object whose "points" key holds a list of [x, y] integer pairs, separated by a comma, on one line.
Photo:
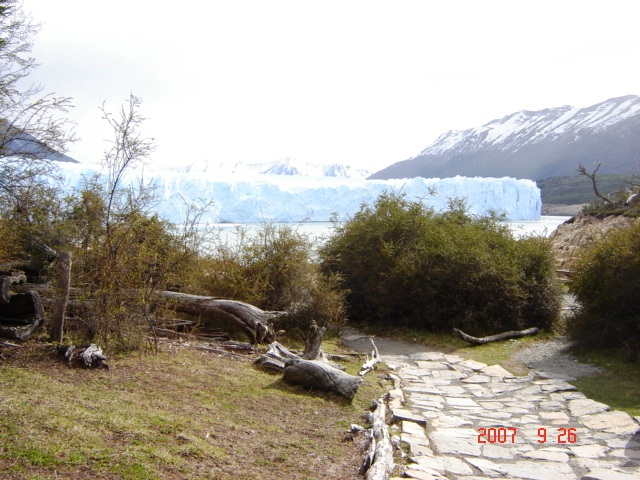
{"points": [[535, 145]]}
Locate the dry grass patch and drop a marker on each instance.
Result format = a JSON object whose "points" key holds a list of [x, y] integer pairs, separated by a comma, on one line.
{"points": [[182, 414]]}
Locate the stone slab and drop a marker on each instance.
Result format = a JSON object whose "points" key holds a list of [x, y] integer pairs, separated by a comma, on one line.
{"points": [[455, 441], [617, 422], [586, 406]]}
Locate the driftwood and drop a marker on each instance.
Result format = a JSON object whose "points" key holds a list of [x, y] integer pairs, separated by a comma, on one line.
{"points": [[320, 375], [22, 316], [378, 462], [254, 322], [370, 363], [87, 357], [495, 338]]}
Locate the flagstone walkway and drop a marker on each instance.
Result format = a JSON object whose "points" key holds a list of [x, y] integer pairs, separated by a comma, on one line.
{"points": [[465, 420]]}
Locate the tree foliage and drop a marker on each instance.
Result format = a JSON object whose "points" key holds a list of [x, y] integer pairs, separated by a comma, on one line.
{"points": [[404, 264], [32, 126], [275, 270], [606, 285]]}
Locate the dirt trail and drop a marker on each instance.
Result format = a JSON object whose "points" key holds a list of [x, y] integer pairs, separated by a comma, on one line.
{"points": [[552, 358]]}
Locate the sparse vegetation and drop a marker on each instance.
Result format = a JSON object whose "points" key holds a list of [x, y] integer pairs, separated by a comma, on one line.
{"points": [[275, 270]]}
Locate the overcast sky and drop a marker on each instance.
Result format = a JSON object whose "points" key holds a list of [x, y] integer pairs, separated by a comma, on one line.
{"points": [[366, 83]]}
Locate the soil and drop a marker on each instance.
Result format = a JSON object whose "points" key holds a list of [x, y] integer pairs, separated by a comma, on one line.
{"points": [[580, 231]]}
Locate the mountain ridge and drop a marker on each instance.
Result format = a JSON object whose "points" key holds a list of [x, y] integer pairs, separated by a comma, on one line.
{"points": [[535, 144]]}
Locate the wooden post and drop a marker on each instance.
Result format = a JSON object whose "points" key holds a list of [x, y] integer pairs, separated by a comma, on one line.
{"points": [[63, 284]]}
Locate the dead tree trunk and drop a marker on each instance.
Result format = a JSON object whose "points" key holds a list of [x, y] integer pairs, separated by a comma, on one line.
{"points": [[254, 322], [56, 330], [313, 343], [313, 369], [275, 358], [22, 316], [495, 338], [320, 375], [6, 280]]}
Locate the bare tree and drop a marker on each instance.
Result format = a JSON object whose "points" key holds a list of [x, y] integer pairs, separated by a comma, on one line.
{"points": [[33, 124], [128, 149], [582, 170]]}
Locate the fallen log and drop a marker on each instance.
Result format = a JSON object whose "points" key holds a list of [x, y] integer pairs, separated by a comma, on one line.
{"points": [[378, 462], [254, 322], [320, 375], [275, 358], [317, 371], [495, 338], [22, 316]]}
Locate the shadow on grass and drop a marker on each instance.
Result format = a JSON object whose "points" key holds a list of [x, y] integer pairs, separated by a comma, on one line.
{"points": [[298, 390]]}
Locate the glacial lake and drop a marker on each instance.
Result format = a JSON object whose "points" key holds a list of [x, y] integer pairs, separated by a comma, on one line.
{"points": [[228, 232]]}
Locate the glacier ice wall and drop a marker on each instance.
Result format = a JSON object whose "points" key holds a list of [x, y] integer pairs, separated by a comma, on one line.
{"points": [[298, 198]]}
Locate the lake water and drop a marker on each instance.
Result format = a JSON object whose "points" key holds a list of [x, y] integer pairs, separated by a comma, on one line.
{"points": [[228, 232]]}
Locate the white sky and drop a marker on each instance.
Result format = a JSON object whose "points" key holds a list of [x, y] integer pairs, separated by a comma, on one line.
{"points": [[362, 82]]}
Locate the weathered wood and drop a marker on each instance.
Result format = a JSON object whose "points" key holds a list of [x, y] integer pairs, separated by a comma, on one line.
{"points": [[6, 280], [22, 316], [5, 285], [322, 376], [275, 358], [254, 322], [371, 362], [313, 346], [313, 343], [63, 284], [495, 338], [378, 463], [87, 357]]}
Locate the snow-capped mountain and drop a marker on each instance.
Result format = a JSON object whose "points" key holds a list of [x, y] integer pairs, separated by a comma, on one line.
{"points": [[535, 145], [286, 166]]}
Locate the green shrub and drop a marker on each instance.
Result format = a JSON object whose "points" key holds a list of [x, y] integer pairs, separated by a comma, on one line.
{"points": [[275, 270], [404, 264], [606, 283]]}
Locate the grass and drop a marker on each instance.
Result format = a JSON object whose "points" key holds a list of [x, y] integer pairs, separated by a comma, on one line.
{"points": [[181, 414], [617, 385], [185, 414]]}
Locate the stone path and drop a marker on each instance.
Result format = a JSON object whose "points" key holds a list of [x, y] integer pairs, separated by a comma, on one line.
{"points": [[465, 420]]}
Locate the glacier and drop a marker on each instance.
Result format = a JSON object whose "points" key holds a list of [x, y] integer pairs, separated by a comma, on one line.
{"points": [[287, 198]]}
